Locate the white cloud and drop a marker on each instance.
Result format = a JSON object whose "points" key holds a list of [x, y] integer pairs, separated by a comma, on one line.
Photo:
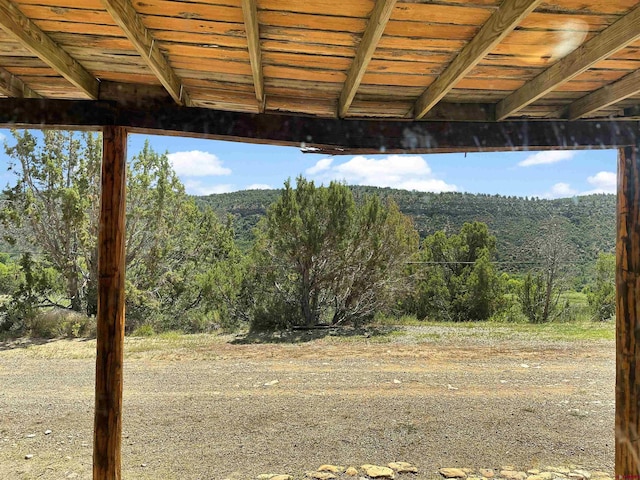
{"points": [[320, 166], [543, 158], [560, 190], [258, 186], [197, 164], [196, 187], [2, 137], [395, 171], [603, 182]]}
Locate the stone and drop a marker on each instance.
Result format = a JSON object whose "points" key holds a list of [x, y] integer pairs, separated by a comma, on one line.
{"points": [[468, 470], [351, 471], [331, 468], [533, 471], [274, 476], [452, 473], [271, 383], [28, 456], [403, 467], [584, 473], [375, 471], [282, 477], [487, 472], [576, 476], [320, 475], [31, 435], [599, 474], [562, 470], [47, 432], [546, 475], [513, 475], [541, 476]]}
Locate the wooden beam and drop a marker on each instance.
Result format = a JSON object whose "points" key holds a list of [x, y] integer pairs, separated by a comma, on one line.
{"points": [[110, 336], [12, 86], [130, 22], [335, 136], [617, 36], [19, 27], [605, 96], [250, 13], [627, 422], [375, 28], [499, 25]]}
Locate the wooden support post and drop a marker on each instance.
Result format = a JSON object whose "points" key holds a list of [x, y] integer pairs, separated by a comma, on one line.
{"points": [[111, 250], [628, 316]]}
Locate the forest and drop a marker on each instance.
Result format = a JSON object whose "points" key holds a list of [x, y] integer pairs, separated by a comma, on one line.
{"points": [[303, 256]]}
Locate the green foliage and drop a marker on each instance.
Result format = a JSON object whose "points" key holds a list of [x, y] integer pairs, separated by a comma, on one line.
{"points": [[455, 278], [181, 262], [39, 282], [59, 322], [320, 258], [589, 221], [144, 331], [10, 276], [601, 296]]}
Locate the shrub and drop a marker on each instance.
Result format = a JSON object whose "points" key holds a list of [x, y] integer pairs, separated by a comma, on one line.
{"points": [[59, 322], [144, 331]]}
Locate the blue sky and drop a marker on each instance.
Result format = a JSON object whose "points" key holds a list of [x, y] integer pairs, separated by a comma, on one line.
{"points": [[208, 166]]}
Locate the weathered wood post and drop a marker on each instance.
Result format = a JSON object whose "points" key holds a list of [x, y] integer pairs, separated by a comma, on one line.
{"points": [[111, 250], [627, 311]]}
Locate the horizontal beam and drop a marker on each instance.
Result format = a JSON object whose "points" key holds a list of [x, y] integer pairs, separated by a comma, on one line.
{"points": [[22, 29], [131, 23], [610, 40], [12, 86], [375, 28], [328, 135], [500, 24], [250, 14], [605, 96]]}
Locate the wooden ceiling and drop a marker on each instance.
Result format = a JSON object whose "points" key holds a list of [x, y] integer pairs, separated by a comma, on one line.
{"points": [[413, 59]]}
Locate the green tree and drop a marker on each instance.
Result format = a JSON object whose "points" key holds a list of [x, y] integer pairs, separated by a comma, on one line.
{"points": [[542, 288], [455, 279], [180, 261], [54, 201], [602, 294], [323, 258]]}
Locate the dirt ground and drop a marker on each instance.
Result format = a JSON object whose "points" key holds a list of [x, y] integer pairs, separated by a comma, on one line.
{"points": [[207, 407]]}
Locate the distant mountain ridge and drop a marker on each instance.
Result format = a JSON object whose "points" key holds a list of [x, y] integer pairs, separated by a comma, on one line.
{"points": [[588, 221]]}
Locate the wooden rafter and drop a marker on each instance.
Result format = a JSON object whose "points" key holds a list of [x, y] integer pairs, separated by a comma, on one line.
{"points": [[128, 19], [250, 13], [18, 26], [372, 34], [605, 96], [12, 86], [500, 24], [614, 38]]}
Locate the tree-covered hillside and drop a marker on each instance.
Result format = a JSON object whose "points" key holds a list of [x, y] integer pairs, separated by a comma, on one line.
{"points": [[588, 222]]}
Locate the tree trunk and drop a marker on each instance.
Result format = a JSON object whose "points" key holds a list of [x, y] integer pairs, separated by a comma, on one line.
{"points": [[628, 316]]}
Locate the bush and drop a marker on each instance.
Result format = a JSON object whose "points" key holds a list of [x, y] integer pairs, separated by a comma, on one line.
{"points": [[144, 331], [58, 322]]}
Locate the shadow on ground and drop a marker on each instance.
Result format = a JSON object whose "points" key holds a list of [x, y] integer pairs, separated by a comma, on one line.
{"points": [[309, 335], [26, 342]]}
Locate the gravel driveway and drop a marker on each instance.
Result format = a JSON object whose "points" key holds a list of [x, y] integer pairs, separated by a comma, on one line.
{"points": [[206, 407]]}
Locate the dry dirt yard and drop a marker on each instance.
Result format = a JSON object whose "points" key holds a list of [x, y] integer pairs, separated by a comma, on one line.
{"points": [[234, 407]]}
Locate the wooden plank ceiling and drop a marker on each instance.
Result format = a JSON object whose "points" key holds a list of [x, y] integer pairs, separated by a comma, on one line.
{"points": [[477, 60]]}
